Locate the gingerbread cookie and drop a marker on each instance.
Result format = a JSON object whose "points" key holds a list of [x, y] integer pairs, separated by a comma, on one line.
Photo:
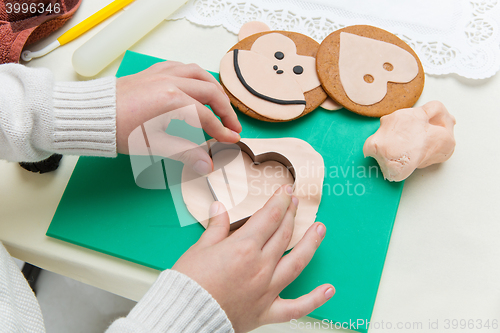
{"points": [[369, 71], [271, 75]]}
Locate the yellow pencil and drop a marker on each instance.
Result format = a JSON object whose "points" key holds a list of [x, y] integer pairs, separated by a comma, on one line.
{"points": [[79, 29]]}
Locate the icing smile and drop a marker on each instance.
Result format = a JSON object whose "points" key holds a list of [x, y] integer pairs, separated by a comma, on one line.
{"points": [[256, 93]]}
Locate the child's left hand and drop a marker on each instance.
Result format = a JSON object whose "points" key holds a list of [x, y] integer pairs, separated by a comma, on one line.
{"points": [[166, 87]]}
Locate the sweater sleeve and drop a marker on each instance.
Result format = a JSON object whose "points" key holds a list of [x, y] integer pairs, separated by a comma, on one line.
{"points": [[39, 117], [175, 303], [19, 309]]}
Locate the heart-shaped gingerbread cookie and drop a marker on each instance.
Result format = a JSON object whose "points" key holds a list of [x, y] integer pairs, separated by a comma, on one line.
{"points": [[369, 70]]}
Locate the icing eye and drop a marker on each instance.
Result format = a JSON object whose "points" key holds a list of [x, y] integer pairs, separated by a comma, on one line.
{"points": [[368, 78], [279, 55], [275, 67], [298, 70], [279, 72], [388, 67]]}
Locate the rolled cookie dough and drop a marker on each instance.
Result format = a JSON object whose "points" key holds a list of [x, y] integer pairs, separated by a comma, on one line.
{"points": [[412, 138], [309, 171]]}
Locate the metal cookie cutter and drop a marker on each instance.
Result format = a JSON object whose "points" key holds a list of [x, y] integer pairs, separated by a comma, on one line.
{"points": [[231, 196]]}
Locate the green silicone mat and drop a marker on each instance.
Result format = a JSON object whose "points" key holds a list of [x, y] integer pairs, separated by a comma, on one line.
{"points": [[102, 209]]}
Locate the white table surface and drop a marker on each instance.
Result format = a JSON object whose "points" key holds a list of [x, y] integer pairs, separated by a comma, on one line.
{"points": [[444, 257]]}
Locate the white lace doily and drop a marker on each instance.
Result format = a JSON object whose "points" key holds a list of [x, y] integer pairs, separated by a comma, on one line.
{"points": [[449, 36]]}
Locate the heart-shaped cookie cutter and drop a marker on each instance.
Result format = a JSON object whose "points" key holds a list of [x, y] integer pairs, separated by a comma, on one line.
{"points": [[216, 147]]}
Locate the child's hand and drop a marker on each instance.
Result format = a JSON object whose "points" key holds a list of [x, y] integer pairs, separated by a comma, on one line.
{"points": [[168, 86], [245, 272]]}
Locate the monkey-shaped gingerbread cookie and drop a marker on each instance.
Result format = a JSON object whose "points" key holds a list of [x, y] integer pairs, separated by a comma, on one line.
{"points": [[271, 75]]}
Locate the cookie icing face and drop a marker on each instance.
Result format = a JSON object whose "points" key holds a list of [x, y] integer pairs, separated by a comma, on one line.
{"points": [[271, 79], [366, 66], [281, 51]]}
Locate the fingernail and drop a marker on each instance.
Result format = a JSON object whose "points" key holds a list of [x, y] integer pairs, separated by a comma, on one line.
{"points": [[289, 189], [202, 167], [329, 293], [236, 134], [214, 209], [321, 230], [295, 201]]}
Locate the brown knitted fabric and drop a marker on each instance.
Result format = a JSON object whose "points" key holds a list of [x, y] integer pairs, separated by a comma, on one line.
{"points": [[18, 30]]}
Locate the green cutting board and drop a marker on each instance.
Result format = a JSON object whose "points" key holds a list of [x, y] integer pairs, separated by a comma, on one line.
{"points": [[104, 210]]}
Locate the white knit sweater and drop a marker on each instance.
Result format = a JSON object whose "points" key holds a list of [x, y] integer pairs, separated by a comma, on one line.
{"points": [[39, 117]]}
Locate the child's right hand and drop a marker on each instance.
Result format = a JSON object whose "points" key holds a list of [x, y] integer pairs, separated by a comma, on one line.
{"points": [[245, 272]]}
